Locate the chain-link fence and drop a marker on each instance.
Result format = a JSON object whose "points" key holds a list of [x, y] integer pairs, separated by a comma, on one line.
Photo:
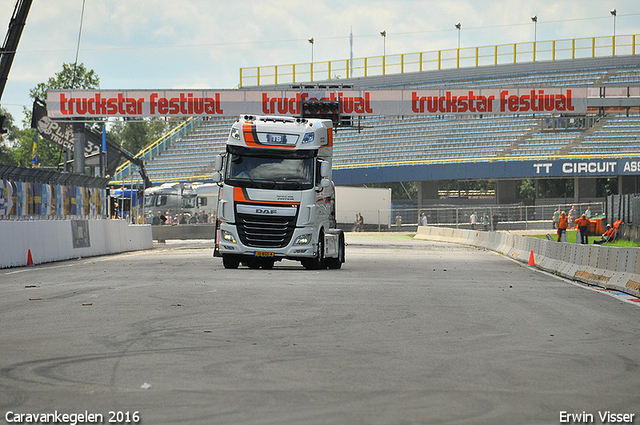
{"points": [[487, 217]]}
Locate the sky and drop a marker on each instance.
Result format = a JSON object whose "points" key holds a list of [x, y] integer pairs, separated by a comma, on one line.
{"points": [[189, 44]]}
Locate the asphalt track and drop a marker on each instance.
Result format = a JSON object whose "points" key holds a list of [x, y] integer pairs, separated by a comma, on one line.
{"points": [[408, 332]]}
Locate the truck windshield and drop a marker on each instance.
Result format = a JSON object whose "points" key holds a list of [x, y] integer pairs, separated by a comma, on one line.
{"points": [[189, 202], [268, 172]]}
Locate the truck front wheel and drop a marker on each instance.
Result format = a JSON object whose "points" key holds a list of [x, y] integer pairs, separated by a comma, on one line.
{"points": [[319, 262], [230, 261]]}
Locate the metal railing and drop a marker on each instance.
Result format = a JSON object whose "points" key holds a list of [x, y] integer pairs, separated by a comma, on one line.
{"points": [[532, 51], [480, 159], [499, 217], [154, 149], [41, 194]]}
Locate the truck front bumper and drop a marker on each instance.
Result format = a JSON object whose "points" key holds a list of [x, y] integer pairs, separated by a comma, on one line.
{"points": [[303, 244]]}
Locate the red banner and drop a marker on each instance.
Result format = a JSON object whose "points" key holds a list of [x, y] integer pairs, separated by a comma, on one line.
{"points": [[211, 103]]}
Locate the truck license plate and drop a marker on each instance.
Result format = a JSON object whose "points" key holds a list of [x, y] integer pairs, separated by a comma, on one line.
{"points": [[264, 254]]}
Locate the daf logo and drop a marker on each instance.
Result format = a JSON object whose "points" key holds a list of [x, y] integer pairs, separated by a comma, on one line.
{"points": [[282, 211]]}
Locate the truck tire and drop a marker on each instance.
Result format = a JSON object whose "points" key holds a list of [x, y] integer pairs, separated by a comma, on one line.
{"points": [[230, 261], [252, 263], [267, 264], [336, 263], [319, 262]]}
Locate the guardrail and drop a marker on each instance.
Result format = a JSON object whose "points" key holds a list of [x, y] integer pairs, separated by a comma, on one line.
{"points": [[603, 266], [532, 51]]}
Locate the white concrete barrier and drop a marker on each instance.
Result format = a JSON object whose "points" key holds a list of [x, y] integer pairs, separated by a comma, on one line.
{"points": [[55, 240], [604, 266]]}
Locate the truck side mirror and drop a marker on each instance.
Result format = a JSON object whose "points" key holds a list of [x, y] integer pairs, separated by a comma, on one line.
{"points": [[216, 177], [325, 183], [325, 169], [217, 166]]}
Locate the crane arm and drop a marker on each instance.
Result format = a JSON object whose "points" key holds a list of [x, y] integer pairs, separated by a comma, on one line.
{"points": [[10, 45]]}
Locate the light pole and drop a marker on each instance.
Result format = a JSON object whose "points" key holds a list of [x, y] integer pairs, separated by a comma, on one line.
{"points": [[383, 33], [534, 18], [458, 26], [311, 41], [614, 13]]}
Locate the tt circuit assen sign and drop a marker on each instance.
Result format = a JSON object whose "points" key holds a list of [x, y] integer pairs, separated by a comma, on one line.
{"points": [[212, 103], [585, 168], [514, 169]]}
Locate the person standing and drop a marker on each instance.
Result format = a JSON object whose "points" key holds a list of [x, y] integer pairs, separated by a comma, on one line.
{"points": [[556, 218], [398, 222], [473, 219], [583, 226], [563, 223], [423, 219], [588, 212], [485, 221], [494, 221], [573, 214]]}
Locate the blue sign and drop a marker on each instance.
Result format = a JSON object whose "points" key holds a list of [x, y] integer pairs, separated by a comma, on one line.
{"points": [[602, 167]]}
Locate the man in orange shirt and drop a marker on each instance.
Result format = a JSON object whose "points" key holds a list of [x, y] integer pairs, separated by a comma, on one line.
{"points": [[608, 236], [583, 225], [563, 223]]}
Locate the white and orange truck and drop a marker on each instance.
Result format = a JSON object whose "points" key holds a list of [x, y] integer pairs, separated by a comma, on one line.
{"points": [[277, 200]]}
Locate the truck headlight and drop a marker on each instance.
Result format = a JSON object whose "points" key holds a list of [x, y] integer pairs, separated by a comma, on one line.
{"points": [[303, 240], [227, 236], [308, 138], [235, 133]]}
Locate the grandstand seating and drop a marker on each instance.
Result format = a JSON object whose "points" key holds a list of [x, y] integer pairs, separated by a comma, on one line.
{"points": [[193, 154], [391, 139], [618, 135]]}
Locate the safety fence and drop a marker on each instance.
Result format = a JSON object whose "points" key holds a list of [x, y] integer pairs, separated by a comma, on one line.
{"points": [[488, 216], [39, 194], [607, 267], [624, 207], [532, 51]]}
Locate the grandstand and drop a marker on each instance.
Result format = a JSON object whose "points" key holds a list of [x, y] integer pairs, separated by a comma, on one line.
{"points": [[191, 157], [404, 141]]}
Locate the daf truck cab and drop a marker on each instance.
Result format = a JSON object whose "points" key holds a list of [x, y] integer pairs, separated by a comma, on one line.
{"points": [[277, 200]]}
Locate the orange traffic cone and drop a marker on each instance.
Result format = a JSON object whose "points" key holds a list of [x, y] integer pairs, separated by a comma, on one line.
{"points": [[532, 262], [29, 259]]}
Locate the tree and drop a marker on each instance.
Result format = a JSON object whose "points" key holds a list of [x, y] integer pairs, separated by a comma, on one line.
{"points": [[526, 189], [8, 140], [48, 152], [6, 155], [72, 76], [136, 135]]}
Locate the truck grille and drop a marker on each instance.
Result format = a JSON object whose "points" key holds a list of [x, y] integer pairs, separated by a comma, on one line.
{"points": [[265, 231]]}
